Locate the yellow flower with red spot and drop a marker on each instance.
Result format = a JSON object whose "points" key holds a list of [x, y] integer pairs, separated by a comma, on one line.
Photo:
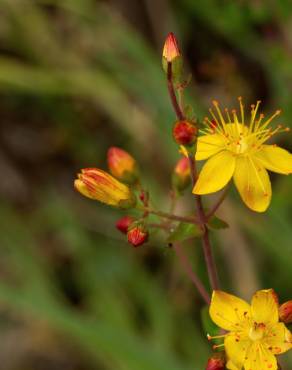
{"points": [[99, 185], [236, 148], [255, 335]]}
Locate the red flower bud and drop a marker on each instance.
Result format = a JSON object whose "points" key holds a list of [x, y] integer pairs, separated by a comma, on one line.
{"points": [[137, 235], [181, 176], [170, 49], [184, 133], [216, 362], [285, 312], [123, 224], [122, 165]]}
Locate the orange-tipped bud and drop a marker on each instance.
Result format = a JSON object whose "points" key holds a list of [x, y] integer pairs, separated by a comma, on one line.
{"points": [[171, 57], [181, 176], [184, 133], [216, 362], [171, 49], [99, 185], [124, 223], [122, 165], [285, 312], [137, 235]]}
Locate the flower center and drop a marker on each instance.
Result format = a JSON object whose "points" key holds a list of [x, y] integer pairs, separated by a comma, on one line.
{"points": [[256, 332]]}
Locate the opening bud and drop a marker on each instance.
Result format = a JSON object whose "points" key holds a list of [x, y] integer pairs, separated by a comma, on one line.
{"points": [[216, 362], [181, 176], [122, 165], [99, 185], [184, 133], [124, 223], [285, 312], [137, 234]]}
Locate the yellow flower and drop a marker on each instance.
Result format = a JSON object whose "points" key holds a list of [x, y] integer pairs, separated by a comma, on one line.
{"points": [[255, 334], [99, 185], [236, 148]]}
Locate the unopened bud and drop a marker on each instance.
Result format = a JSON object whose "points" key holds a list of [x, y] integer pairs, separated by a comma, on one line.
{"points": [[124, 223], [122, 165], [285, 312], [171, 55], [99, 185], [181, 176], [170, 49], [137, 235], [184, 133], [216, 362]]}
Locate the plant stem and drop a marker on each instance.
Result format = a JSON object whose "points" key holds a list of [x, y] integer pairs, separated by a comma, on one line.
{"points": [[172, 95], [209, 259], [191, 274], [189, 220], [217, 204]]}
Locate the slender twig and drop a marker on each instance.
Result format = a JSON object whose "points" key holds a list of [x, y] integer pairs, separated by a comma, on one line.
{"points": [[191, 274], [172, 95], [209, 259], [170, 216], [217, 204]]}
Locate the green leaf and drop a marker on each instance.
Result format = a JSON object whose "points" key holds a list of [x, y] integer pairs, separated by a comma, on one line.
{"points": [[209, 326], [216, 223], [184, 231]]}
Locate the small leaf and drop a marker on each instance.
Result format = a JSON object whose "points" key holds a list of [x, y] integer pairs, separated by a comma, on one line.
{"points": [[209, 326], [216, 223], [184, 231]]}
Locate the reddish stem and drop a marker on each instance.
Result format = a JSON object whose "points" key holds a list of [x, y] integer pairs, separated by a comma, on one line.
{"points": [[209, 259]]}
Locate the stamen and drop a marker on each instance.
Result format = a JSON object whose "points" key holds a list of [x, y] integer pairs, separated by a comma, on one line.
{"points": [[241, 109], [264, 125], [254, 110], [209, 337], [216, 105], [218, 346], [227, 114]]}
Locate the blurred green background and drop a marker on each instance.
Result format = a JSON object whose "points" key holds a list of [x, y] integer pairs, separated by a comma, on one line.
{"points": [[77, 76]]}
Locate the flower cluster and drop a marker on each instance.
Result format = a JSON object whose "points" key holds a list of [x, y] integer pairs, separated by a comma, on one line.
{"points": [[235, 146]]}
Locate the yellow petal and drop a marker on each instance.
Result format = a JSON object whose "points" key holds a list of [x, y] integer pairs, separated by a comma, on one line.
{"points": [[259, 358], [264, 307], [275, 159], [208, 145], [216, 173], [236, 347], [231, 366], [279, 339], [229, 312], [253, 183]]}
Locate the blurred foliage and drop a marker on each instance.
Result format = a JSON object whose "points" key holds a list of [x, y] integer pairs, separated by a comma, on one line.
{"points": [[77, 76]]}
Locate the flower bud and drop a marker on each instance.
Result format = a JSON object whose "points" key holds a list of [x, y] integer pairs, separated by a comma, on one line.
{"points": [[137, 234], [184, 133], [124, 223], [171, 55], [170, 49], [122, 165], [99, 185], [285, 312], [216, 362], [181, 176]]}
